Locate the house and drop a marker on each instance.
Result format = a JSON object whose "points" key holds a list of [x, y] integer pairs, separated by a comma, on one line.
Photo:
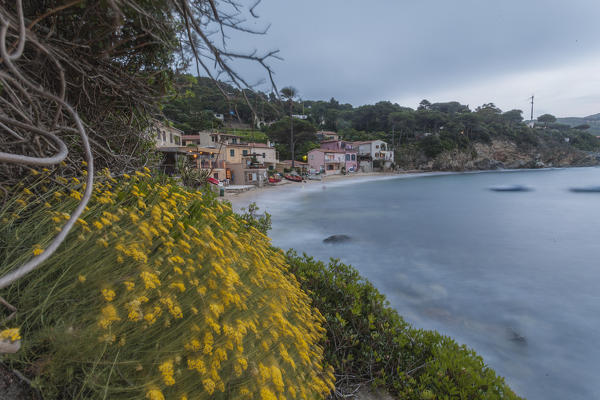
{"points": [[247, 164], [327, 135], [374, 154], [351, 153], [165, 135], [209, 159], [210, 139], [265, 153], [326, 161]]}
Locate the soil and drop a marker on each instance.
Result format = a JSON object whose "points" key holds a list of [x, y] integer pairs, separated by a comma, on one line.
{"points": [[12, 387]]}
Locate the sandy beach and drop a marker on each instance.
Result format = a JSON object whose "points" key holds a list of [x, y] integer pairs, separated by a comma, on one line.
{"points": [[242, 199]]}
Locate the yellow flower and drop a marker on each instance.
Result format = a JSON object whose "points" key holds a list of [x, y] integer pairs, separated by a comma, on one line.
{"points": [[150, 280], [129, 285], [37, 251], [108, 294], [267, 394], [97, 224], [126, 176], [154, 394], [81, 278], [12, 334], [166, 369], [178, 285], [209, 385], [109, 315]]}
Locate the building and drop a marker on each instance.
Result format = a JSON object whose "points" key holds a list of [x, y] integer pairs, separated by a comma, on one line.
{"points": [[210, 139], [248, 163], [265, 154], [374, 154], [327, 135], [351, 153], [326, 161], [165, 135], [286, 165], [209, 159]]}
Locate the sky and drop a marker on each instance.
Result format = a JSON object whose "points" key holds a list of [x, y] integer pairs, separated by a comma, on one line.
{"points": [[472, 51]]}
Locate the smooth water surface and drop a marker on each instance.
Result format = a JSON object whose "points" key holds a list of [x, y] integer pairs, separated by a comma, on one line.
{"points": [[514, 275]]}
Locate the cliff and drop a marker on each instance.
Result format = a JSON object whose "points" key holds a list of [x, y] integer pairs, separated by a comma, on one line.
{"points": [[497, 154]]}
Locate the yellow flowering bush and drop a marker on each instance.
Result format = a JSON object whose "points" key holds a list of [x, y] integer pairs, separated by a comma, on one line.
{"points": [[158, 293]]}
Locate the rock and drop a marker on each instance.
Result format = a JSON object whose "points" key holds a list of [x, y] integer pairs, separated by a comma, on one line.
{"points": [[335, 239]]}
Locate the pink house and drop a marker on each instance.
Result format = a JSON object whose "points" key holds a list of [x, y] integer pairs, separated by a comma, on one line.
{"points": [[327, 161], [350, 152]]}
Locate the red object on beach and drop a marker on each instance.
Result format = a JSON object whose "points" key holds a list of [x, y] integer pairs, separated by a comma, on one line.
{"points": [[293, 178], [213, 181], [274, 180]]}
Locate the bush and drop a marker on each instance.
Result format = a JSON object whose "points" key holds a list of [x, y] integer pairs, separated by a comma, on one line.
{"points": [[159, 292], [368, 343]]}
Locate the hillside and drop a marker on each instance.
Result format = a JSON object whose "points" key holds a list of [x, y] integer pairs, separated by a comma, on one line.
{"points": [[592, 120]]}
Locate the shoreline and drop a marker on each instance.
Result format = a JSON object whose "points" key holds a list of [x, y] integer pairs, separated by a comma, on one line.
{"points": [[239, 200]]}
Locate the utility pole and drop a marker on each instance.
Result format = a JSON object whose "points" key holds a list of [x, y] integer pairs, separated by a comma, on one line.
{"points": [[531, 108]]}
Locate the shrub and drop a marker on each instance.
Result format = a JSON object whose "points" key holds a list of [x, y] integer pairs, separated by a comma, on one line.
{"points": [[159, 292], [368, 343]]}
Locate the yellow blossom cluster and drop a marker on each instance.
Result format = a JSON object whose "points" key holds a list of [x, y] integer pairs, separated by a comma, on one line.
{"points": [[184, 299]]}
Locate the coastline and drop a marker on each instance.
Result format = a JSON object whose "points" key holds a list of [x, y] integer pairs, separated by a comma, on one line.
{"points": [[240, 200]]}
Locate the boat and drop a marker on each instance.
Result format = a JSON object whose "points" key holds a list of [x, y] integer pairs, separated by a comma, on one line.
{"points": [[293, 178], [213, 181], [510, 188], [273, 179], [586, 189]]}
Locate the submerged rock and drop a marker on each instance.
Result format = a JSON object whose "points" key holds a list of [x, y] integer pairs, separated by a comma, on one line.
{"points": [[337, 239]]}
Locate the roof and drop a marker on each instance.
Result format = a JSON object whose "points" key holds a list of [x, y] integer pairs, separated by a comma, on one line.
{"points": [[329, 151], [327, 133], [190, 137], [369, 141], [260, 145]]}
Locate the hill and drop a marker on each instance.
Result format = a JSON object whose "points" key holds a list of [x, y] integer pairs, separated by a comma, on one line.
{"points": [[592, 120]]}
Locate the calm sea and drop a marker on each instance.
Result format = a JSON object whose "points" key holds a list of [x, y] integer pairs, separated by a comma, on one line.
{"points": [[514, 275]]}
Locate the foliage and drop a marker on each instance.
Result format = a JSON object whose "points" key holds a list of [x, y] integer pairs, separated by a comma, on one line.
{"points": [[368, 343], [279, 132], [160, 292], [262, 223], [191, 176]]}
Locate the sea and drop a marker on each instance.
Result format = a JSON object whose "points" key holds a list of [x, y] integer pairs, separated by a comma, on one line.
{"points": [[514, 275]]}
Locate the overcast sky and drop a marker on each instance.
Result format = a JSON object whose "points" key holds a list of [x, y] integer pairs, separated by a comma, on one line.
{"points": [[472, 51]]}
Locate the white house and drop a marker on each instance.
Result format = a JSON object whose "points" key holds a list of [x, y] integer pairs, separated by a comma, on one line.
{"points": [[165, 135], [374, 154]]}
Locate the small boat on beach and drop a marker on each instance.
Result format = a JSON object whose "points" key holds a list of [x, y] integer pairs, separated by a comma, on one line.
{"points": [[293, 178], [213, 181], [510, 188], [273, 179]]}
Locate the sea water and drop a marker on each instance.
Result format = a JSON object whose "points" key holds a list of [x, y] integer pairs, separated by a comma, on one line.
{"points": [[513, 275]]}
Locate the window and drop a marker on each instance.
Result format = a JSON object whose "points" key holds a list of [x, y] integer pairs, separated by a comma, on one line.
{"points": [[244, 152], [170, 137], [177, 140], [347, 157], [232, 153], [216, 176], [234, 140], [264, 155], [213, 138], [376, 146], [353, 157], [330, 167], [164, 136]]}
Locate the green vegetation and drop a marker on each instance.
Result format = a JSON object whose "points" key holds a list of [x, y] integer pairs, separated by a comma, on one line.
{"points": [[159, 293], [369, 344]]}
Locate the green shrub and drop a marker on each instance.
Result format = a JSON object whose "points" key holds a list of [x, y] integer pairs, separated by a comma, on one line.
{"points": [[368, 343], [159, 292]]}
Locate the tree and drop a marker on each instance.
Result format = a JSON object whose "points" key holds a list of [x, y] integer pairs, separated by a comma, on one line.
{"points": [[547, 119], [289, 93], [582, 127], [513, 117], [279, 132]]}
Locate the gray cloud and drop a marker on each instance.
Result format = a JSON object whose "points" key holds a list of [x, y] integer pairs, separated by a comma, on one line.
{"points": [[361, 52]]}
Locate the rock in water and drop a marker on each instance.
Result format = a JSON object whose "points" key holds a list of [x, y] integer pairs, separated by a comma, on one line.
{"points": [[337, 239]]}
